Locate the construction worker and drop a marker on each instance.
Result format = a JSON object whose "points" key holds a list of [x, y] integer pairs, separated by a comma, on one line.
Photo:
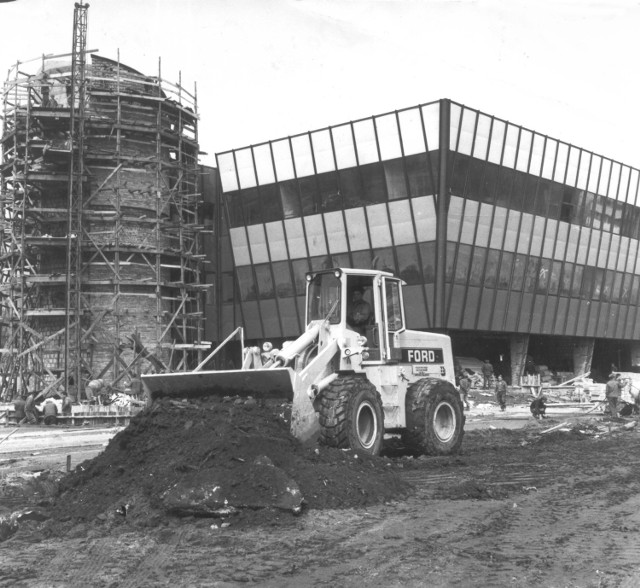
{"points": [[538, 407], [465, 386], [66, 405], [266, 355], [47, 100], [501, 393], [487, 373], [359, 311], [612, 392], [18, 408], [50, 412], [30, 416], [93, 390]]}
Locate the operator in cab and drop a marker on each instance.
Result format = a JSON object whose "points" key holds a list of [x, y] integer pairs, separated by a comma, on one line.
{"points": [[360, 312]]}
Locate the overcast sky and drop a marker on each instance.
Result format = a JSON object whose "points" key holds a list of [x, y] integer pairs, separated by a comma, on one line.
{"points": [[265, 69]]}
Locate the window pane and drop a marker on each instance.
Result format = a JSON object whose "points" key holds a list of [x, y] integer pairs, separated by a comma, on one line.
{"points": [[462, 264], [308, 194], [491, 272], [606, 283], [374, 182], [366, 141], [251, 206], [554, 277], [264, 165], [282, 157], [289, 198], [481, 145], [511, 146], [505, 270], [343, 144], [428, 254], [336, 234], [295, 238], [424, 213], [466, 132], [379, 225], [265, 283], [351, 187], [234, 207], [277, 244], [247, 285], [395, 179], [567, 276], [420, 181], [282, 276], [315, 235], [497, 141], [322, 151], [330, 195], [357, 229], [518, 272], [401, 222], [431, 119], [408, 264], [588, 279], [258, 242], [477, 267], [524, 150], [302, 155], [388, 136], [227, 170], [383, 260], [577, 280], [270, 203], [300, 268], [616, 292], [240, 246], [411, 131], [246, 173]]}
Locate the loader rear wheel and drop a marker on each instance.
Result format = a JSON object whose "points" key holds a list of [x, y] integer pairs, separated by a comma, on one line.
{"points": [[435, 418], [351, 415]]}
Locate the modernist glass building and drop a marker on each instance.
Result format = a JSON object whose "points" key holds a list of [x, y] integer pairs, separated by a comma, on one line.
{"points": [[508, 240]]}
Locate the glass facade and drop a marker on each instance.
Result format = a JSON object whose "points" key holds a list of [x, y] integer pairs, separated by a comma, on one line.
{"points": [[492, 226]]}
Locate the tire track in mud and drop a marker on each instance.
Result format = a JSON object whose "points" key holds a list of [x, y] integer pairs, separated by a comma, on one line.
{"points": [[570, 517], [149, 570], [508, 475]]}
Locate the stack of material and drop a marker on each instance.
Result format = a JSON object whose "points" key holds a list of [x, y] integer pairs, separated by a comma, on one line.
{"points": [[546, 376]]}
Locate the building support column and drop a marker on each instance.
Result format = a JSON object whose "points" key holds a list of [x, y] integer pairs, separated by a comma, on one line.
{"points": [[442, 208], [518, 347], [582, 355]]}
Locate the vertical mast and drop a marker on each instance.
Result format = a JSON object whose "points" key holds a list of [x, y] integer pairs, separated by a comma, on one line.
{"points": [[73, 335]]}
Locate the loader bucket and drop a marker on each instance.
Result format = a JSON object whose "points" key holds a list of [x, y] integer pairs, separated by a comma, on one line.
{"points": [[259, 383]]}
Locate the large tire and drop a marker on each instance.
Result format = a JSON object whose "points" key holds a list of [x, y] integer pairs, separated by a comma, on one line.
{"points": [[351, 415], [435, 418]]}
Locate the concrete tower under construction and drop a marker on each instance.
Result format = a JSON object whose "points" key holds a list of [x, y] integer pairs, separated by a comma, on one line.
{"points": [[100, 254]]}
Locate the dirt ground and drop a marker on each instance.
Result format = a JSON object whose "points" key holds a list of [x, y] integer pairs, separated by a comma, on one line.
{"points": [[515, 508]]}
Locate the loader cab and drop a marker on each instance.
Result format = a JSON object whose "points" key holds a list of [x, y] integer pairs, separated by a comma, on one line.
{"points": [[369, 304]]}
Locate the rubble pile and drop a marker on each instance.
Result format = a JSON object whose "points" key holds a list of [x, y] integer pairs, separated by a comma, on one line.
{"points": [[219, 457]]}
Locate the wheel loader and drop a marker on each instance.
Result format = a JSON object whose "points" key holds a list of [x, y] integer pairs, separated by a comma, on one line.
{"points": [[355, 375]]}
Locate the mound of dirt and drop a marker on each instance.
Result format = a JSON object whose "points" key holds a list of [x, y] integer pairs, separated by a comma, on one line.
{"points": [[219, 457]]}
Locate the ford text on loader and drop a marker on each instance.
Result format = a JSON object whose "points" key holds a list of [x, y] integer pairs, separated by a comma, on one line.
{"points": [[355, 374]]}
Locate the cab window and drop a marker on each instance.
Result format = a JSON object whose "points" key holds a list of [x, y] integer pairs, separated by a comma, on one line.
{"points": [[394, 306]]}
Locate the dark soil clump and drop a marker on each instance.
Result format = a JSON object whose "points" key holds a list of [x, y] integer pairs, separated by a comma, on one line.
{"points": [[175, 441]]}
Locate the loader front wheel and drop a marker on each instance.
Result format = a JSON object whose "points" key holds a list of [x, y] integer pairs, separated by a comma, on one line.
{"points": [[351, 415], [435, 418]]}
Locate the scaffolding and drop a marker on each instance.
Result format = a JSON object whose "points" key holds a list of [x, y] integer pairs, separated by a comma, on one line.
{"points": [[100, 236]]}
